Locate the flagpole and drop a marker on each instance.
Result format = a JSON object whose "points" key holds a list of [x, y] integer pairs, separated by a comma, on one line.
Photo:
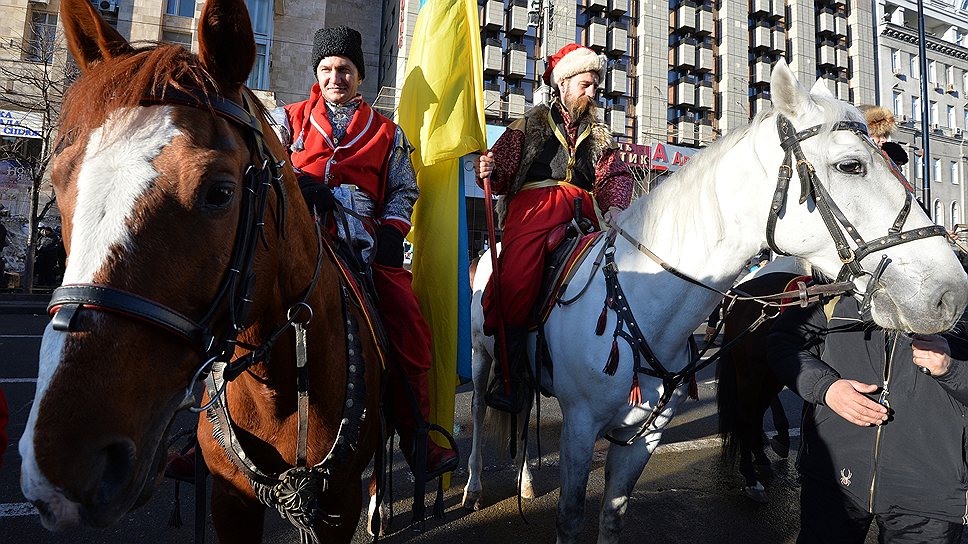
{"points": [[500, 337]]}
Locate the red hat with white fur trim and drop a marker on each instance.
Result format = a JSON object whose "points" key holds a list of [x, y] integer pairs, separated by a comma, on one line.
{"points": [[571, 60]]}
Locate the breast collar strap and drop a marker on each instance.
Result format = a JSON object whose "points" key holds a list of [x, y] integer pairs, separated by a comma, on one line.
{"points": [[836, 222]]}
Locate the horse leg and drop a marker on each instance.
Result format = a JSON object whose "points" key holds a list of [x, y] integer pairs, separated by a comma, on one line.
{"points": [[236, 518], [524, 480], [481, 365], [623, 466], [577, 446]]}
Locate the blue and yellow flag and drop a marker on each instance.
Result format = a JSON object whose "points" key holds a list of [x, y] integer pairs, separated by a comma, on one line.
{"points": [[442, 113]]}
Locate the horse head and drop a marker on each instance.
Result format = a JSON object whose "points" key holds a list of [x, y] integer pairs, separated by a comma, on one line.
{"points": [[150, 174], [849, 213]]}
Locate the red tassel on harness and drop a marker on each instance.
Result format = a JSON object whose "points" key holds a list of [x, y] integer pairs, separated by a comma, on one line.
{"points": [[635, 395], [602, 319], [693, 388], [612, 365]]}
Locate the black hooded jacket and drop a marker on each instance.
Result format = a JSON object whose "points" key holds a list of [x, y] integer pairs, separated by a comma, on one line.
{"points": [[916, 462]]}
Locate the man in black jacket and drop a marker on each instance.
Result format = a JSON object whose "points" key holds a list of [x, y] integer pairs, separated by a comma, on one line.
{"points": [[884, 426]]}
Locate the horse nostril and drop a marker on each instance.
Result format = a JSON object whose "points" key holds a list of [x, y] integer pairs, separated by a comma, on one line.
{"points": [[114, 462], [950, 305]]}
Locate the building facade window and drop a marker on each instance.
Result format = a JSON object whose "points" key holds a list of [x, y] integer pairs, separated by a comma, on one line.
{"points": [[896, 64], [936, 169], [955, 214], [932, 72], [178, 38], [951, 117], [915, 67], [932, 112], [916, 108], [43, 32], [260, 11], [181, 8], [898, 103], [918, 169], [938, 213]]}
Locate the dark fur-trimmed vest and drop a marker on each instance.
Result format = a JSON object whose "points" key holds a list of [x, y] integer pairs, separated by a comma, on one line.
{"points": [[544, 157]]}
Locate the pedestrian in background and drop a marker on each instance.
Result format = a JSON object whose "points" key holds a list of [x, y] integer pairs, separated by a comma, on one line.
{"points": [[881, 125], [884, 426]]}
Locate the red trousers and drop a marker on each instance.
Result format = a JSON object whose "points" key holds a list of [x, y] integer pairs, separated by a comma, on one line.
{"points": [[409, 337], [531, 215]]}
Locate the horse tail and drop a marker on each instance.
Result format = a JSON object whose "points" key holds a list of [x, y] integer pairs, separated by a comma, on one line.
{"points": [[727, 404]]}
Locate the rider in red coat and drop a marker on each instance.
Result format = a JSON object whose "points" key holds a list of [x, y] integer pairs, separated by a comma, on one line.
{"points": [[337, 140], [541, 164]]}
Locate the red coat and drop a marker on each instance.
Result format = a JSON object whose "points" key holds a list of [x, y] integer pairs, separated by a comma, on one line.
{"points": [[360, 159]]}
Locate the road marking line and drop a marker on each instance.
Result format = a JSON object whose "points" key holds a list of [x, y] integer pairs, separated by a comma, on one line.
{"points": [[705, 443], [14, 509], [21, 335], [18, 380]]}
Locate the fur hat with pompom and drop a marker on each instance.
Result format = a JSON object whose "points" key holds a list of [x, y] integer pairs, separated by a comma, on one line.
{"points": [[573, 59]]}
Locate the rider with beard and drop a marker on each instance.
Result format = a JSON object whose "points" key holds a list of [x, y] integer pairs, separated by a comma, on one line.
{"points": [[541, 165]]}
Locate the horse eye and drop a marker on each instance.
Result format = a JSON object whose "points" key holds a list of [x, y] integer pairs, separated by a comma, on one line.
{"points": [[219, 195], [852, 167]]}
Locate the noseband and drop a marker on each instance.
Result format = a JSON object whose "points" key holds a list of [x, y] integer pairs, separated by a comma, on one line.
{"points": [[234, 296], [835, 220]]}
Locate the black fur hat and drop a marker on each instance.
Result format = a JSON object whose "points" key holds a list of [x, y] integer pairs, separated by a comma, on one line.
{"points": [[340, 41]]}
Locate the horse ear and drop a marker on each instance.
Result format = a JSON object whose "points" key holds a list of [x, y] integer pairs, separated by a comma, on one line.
{"points": [[90, 38], [821, 90], [226, 44], [789, 97]]}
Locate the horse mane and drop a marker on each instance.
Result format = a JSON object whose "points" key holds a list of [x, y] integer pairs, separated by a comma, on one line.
{"points": [[124, 81], [695, 183]]}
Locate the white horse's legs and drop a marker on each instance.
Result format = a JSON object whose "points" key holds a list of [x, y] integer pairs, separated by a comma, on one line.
{"points": [[577, 446], [623, 466], [524, 479], [481, 370]]}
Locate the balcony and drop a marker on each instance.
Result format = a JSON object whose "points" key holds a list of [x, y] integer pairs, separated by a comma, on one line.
{"points": [[843, 90], [618, 40], [705, 62], [778, 10], [616, 120], [760, 104], [493, 15], [517, 18], [706, 133], [616, 80], [492, 101], [705, 98], [596, 34], [761, 73], [704, 23], [827, 56], [761, 38], [760, 8], [842, 59], [492, 58], [779, 41], [685, 18], [826, 24], [685, 131], [596, 4], [685, 94], [685, 56], [517, 62], [617, 8], [515, 104]]}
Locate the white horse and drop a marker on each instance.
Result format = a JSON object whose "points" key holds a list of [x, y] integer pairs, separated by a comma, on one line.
{"points": [[706, 221]]}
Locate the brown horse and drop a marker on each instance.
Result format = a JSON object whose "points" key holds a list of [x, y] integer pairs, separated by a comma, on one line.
{"points": [[182, 253], [747, 388]]}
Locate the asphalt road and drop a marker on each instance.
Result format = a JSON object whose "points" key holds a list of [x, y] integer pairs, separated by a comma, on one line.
{"points": [[685, 493]]}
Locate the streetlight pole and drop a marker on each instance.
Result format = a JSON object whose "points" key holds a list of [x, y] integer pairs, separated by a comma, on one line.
{"points": [[925, 139]]}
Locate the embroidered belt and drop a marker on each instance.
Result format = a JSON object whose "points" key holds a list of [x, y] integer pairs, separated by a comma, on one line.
{"points": [[561, 183]]}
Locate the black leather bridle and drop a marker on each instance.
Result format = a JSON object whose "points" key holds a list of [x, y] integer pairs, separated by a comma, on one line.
{"points": [[234, 296], [835, 220]]}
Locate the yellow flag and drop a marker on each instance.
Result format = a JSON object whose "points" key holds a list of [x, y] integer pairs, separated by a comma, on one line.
{"points": [[442, 113]]}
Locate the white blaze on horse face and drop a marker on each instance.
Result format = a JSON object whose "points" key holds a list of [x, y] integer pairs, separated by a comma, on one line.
{"points": [[117, 171]]}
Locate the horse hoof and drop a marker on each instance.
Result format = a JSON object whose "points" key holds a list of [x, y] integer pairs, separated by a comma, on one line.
{"points": [[527, 491], [756, 493], [780, 448], [472, 500]]}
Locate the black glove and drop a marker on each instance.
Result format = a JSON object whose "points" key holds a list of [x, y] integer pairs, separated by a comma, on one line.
{"points": [[317, 194], [389, 247]]}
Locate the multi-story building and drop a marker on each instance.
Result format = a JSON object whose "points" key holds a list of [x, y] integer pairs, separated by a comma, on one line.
{"points": [[900, 86]]}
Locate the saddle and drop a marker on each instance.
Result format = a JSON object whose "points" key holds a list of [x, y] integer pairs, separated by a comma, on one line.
{"points": [[566, 248]]}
